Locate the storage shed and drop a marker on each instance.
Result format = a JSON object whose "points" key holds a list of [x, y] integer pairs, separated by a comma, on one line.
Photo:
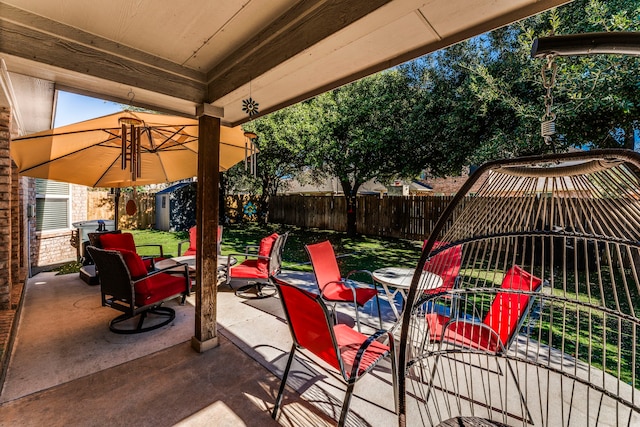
{"points": [[176, 207]]}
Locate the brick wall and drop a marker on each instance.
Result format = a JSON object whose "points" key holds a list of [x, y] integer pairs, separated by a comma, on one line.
{"points": [[5, 210], [450, 185]]}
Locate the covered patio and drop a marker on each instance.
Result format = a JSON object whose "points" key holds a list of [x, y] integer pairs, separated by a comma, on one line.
{"points": [[68, 365], [201, 61], [67, 368]]}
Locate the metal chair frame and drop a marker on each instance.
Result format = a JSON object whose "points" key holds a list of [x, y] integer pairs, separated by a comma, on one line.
{"points": [[310, 304]]}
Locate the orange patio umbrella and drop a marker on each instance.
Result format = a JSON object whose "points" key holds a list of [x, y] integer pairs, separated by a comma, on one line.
{"points": [[155, 149]]}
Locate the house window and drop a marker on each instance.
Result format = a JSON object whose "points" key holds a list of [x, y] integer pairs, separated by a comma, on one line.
{"points": [[52, 205]]}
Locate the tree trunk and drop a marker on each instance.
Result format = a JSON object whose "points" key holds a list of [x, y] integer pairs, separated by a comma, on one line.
{"points": [[350, 195], [352, 226]]}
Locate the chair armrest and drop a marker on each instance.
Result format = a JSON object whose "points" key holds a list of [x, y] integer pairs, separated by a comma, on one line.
{"points": [[247, 255], [180, 246], [170, 269], [251, 248], [365, 345], [153, 245], [352, 288], [366, 272], [475, 322]]}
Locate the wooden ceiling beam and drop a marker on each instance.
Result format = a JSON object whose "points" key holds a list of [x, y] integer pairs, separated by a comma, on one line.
{"points": [[304, 25], [441, 43], [68, 48]]}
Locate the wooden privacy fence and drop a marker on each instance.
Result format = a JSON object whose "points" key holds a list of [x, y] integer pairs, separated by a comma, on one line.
{"points": [[100, 205], [401, 217]]}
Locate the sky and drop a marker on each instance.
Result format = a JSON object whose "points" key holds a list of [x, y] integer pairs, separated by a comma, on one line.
{"points": [[74, 108]]}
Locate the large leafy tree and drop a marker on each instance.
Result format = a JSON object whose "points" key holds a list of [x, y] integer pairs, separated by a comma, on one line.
{"points": [[364, 132], [281, 140], [595, 97], [484, 98]]}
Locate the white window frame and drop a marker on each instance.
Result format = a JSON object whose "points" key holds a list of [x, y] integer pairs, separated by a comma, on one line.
{"points": [[53, 196]]}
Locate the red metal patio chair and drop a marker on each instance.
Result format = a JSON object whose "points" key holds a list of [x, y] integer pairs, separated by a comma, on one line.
{"points": [[127, 286], [191, 250], [335, 289], [497, 331], [254, 271], [352, 353]]}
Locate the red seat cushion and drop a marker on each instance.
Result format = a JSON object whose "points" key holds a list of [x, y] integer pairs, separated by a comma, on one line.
{"points": [[159, 287], [463, 333], [248, 270], [118, 241]]}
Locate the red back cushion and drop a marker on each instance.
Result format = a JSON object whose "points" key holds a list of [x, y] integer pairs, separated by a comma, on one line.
{"points": [[507, 308], [265, 250], [118, 241], [193, 232], [135, 264]]}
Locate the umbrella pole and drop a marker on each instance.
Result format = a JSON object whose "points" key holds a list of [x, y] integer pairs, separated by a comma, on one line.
{"points": [[116, 202]]}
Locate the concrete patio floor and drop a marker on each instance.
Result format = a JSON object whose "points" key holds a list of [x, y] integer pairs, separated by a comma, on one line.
{"points": [[67, 368]]}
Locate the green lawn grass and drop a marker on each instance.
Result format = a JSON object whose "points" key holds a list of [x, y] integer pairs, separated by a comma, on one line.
{"points": [[359, 253]]}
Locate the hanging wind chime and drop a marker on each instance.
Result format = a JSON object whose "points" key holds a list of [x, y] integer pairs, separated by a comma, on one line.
{"points": [[250, 106], [131, 131]]}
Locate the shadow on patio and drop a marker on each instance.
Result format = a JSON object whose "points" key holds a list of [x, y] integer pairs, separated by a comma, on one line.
{"points": [[67, 368]]}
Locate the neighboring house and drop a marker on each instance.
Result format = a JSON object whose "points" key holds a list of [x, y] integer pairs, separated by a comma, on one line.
{"points": [[52, 208], [448, 186], [331, 186], [412, 188]]}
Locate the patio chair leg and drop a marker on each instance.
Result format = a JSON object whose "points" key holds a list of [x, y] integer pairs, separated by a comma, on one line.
{"points": [[163, 312], [284, 382], [394, 374], [345, 404], [379, 312]]}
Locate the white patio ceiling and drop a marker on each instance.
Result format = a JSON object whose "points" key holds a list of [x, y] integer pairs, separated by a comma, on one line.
{"points": [[176, 55]]}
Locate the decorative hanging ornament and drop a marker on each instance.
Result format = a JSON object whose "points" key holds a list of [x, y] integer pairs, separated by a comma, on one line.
{"points": [[131, 149], [250, 106], [250, 153]]}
